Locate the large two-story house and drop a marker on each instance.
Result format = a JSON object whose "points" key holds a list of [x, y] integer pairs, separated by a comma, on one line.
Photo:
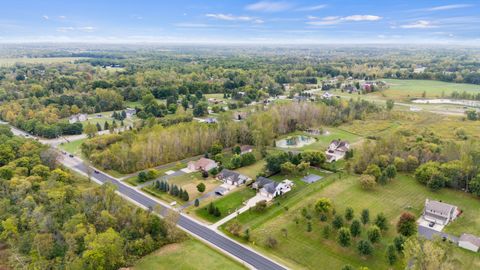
{"points": [[337, 150]]}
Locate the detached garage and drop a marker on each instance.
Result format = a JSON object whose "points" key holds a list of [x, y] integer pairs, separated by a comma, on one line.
{"points": [[470, 242]]}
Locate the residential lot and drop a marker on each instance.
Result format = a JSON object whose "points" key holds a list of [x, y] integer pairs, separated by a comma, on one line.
{"points": [[309, 249]]}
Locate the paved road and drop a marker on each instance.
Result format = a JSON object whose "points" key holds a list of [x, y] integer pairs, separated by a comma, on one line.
{"points": [[192, 226]]}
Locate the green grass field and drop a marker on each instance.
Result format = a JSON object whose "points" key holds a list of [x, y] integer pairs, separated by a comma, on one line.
{"points": [[302, 249], [227, 204], [405, 89], [188, 255], [40, 60], [72, 147]]}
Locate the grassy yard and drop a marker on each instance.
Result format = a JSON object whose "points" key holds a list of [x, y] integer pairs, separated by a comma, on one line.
{"points": [[333, 133], [227, 204], [405, 89], [302, 249], [72, 147], [187, 182], [253, 170], [176, 256]]}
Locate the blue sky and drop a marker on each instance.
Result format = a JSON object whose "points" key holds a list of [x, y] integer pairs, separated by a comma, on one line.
{"points": [[224, 21]]}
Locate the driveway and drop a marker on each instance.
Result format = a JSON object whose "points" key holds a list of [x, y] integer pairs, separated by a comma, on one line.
{"points": [[429, 233], [250, 203]]}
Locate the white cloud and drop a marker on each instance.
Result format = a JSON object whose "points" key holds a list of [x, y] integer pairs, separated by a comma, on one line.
{"points": [[421, 24], [62, 17], [448, 7], [358, 18], [268, 6], [311, 8], [192, 25], [65, 29], [45, 17], [331, 20], [230, 17]]}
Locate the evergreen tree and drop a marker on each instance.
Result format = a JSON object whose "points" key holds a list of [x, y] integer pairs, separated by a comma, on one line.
{"points": [[355, 228], [365, 216], [197, 203]]}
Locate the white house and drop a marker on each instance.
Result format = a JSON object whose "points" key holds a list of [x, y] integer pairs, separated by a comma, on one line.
{"points": [[326, 95], [232, 177], [203, 164], [469, 241], [130, 112], [439, 212], [246, 149], [271, 189], [336, 150], [80, 117]]}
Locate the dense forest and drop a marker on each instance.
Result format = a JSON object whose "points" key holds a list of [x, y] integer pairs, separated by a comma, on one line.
{"points": [[156, 145], [53, 219]]}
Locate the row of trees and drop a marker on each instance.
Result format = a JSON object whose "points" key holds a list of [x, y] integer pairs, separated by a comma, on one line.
{"points": [[171, 189]]}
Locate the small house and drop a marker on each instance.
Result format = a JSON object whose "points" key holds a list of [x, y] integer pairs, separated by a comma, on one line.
{"points": [[80, 117], [270, 188], [203, 164], [439, 212], [469, 241], [130, 112], [337, 150], [232, 177]]}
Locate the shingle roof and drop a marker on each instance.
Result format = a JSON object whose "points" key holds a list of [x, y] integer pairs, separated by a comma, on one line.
{"points": [[232, 175], [470, 238], [262, 181], [438, 208]]}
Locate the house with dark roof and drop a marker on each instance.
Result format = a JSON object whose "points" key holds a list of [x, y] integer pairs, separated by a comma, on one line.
{"points": [[232, 177], [337, 150], [270, 188], [439, 212], [469, 241]]}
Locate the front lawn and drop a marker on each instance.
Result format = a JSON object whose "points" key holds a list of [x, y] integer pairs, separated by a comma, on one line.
{"points": [[227, 204], [72, 147], [285, 223], [176, 256]]}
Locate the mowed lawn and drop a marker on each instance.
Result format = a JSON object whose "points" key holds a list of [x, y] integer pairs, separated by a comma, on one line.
{"points": [[188, 255], [405, 89], [72, 147], [227, 204], [302, 249], [323, 141]]}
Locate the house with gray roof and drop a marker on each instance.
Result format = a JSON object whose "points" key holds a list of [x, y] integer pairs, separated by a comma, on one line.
{"points": [[439, 212], [337, 150], [270, 188], [232, 177], [469, 241]]}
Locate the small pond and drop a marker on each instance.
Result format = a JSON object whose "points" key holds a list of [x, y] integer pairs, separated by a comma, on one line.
{"points": [[295, 141]]}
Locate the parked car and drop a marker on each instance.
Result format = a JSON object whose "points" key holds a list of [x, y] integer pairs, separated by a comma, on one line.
{"points": [[95, 171], [70, 155], [431, 224]]}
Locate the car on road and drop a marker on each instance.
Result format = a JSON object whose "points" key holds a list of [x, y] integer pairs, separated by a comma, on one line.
{"points": [[96, 171], [70, 155]]}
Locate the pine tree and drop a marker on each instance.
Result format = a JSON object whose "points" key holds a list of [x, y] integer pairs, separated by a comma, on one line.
{"points": [[99, 127], [197, 203]]}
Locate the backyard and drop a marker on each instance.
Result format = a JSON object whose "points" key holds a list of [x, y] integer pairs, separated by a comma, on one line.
{"points": [[309, 249]]}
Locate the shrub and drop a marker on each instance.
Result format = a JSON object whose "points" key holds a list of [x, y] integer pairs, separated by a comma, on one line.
{"points": [[367, 181], [406, 225], [374, 234]]}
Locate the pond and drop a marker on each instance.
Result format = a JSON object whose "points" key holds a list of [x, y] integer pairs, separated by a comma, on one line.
{"points": [[295, 141]]}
